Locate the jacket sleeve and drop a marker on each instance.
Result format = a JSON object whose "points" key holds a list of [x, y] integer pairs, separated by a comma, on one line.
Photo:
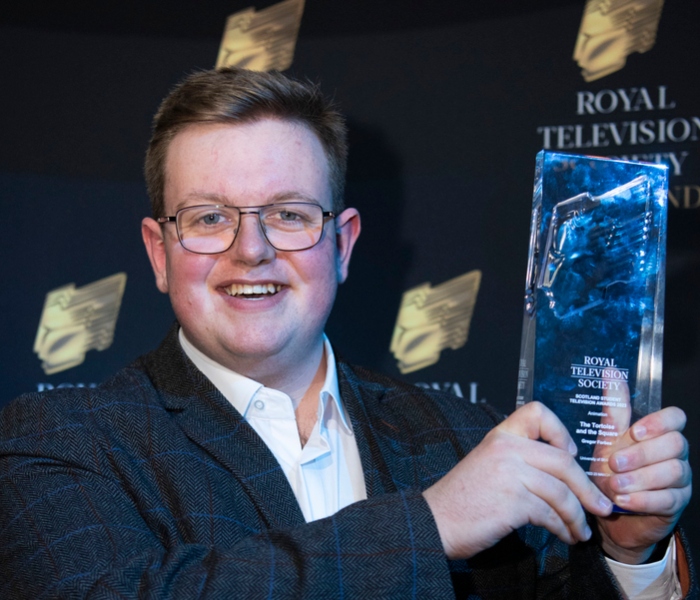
{"points": [[68, 530]]}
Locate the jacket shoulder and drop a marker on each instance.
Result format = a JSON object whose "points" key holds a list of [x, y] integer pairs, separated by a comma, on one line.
{"points": [[38, 414]]}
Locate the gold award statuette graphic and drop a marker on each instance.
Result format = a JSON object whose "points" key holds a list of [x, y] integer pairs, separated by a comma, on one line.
{"points": [[261, 41], [431, 319], [75, 320], [611, 30]]}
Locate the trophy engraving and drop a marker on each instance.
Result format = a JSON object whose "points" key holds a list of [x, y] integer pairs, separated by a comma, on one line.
{"points": [[583, 229]]}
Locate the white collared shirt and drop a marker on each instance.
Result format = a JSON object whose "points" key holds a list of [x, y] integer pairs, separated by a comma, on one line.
{"points": [[650, 582], [326, 474]]}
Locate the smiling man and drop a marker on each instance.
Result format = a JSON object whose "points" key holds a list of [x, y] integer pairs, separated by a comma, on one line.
{"points": [[243, 459], [254, 307]]}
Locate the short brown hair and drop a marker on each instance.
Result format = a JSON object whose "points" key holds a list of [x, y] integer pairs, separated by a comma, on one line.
{"points": [[234, 96]]}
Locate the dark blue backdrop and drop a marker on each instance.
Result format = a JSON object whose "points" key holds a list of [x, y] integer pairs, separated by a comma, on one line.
{"points": [[443, 140]]}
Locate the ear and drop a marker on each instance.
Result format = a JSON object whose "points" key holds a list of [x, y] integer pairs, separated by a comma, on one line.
{"points": [[152, 234], [347, 225]]}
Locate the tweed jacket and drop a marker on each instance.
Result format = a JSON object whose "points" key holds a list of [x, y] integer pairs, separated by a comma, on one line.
{"points": [[153, 486]]}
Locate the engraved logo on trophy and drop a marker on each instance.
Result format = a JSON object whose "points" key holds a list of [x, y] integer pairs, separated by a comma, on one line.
{"points": [[611, 30], [263, 40], [431, 319], [583, 229], [75, 320]]}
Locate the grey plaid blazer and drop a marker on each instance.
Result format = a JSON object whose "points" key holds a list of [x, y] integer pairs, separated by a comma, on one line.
{"points": [[153, 486]]}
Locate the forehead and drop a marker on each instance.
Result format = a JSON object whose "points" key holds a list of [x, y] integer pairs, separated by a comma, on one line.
{"points": [[245, 164]]}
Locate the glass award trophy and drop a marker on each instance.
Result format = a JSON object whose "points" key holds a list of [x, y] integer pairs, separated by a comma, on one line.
{"points": [[594, 297]]}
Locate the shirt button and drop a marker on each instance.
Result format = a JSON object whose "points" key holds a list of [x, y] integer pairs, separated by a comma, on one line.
{"points": [[259, 404]]}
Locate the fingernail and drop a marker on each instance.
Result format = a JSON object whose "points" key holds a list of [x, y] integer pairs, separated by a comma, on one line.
{"points": [[604, 503], [639, 432], [622, 499], [572, 448], [587, 533], [623, 482], [621, 462]]}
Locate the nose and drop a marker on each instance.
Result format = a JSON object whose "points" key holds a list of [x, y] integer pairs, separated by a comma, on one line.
{"points": [[251, 245]]}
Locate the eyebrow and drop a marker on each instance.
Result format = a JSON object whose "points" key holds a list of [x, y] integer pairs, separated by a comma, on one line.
{"points": [[212, 198]]}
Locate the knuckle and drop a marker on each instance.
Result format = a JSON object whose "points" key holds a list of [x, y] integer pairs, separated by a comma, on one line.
{"points": [[548, 517], [559, 495], [676, 505], [567, 463], [677, 470], [671, 503], [678, 443], [536, 408], [500, 444], [639, 457], [680, 416], [553, 517]]}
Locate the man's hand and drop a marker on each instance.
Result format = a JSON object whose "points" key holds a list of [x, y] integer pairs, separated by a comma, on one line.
{"points": [[511, 479], [649, 474]]}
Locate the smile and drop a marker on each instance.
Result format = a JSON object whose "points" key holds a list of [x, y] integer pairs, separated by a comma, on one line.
{"points": [[252, 291]]}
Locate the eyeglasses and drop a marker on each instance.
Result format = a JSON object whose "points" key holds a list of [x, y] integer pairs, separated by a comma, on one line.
{"points": [[211, 229]]}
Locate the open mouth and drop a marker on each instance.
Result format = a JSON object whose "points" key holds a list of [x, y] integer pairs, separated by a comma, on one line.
{"points": [[252, 291]]}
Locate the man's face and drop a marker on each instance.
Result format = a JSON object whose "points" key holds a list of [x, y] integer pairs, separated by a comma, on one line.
{"points": [[243, 165]]}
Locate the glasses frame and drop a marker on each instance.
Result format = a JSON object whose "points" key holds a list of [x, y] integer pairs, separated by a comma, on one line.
{"points": [[248, 210]]}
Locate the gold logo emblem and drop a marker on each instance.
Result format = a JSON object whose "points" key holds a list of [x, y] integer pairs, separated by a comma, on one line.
{"points": [[261, 41], [431, 319], [75, 320], [611, 30]]}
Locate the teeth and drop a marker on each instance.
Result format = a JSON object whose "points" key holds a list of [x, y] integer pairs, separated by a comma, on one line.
{"points": [[237, 289]]}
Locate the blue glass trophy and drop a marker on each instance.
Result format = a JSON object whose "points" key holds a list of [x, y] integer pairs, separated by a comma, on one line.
{"points": [[594, 297]]}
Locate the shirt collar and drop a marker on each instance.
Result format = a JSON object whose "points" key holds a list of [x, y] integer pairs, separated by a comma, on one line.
{"points": [[240, 390]]}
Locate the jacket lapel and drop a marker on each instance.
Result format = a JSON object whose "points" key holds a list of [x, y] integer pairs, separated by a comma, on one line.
{"points": [[361, 399], [210, 421]]}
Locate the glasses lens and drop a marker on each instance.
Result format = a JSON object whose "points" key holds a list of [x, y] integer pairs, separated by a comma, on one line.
{"points": [[292, 225], [207, 229], [287, 226]]}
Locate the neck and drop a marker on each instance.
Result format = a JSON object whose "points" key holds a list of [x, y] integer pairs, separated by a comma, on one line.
{"points": [[301, 380], [303, 384], [306, 410], [290, 372]]}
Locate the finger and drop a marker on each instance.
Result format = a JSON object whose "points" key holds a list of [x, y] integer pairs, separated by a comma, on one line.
{"points": [[673, 473], [665, 503], [654, 450], [563, 466], [561, 500], [535, 421], [658, 423], [543, 515], [618, 411]]}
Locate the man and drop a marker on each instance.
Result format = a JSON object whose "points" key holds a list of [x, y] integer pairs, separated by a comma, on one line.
{"points": [[240, 459]]}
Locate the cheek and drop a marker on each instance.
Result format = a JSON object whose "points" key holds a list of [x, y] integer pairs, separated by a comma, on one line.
{"points": [[321, 280], [187, 274], [318, 270]]}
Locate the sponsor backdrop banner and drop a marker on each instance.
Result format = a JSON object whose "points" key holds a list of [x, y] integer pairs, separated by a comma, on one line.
{"points": [[444, 128]]}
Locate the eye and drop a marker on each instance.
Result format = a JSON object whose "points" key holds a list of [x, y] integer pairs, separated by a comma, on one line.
{"points": [[287, 218], [205, 218], [288, 215], [211, 218]]}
